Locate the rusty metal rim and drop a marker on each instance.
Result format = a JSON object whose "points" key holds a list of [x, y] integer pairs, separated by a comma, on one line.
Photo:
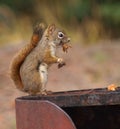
{"points": [[91, 97]]}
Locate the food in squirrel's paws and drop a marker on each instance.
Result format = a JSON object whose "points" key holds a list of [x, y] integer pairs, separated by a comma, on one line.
{"points": [[61, 65]]}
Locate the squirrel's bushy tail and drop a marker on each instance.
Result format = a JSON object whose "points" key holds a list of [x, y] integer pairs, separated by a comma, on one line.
{"points": [[21, 55]]}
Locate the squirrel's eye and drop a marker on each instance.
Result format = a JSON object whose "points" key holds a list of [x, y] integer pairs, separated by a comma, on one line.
{"points": [[60, 35]]}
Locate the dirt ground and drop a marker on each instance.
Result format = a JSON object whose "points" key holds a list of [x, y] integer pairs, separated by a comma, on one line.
{"points": [[86, 67]]}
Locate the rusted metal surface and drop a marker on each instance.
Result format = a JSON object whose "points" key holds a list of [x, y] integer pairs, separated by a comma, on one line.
{"points": [[36, 114], [92, 97], [96, 108]]}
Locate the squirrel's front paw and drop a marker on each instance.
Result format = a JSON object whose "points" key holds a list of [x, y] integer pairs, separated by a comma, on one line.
{"points": [[60, 62]]}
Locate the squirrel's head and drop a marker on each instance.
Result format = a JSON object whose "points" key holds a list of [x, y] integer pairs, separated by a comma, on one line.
{"points": [[56, 35]]}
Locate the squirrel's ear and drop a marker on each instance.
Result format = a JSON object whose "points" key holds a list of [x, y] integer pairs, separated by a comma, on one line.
{"points": [[51, 28]]}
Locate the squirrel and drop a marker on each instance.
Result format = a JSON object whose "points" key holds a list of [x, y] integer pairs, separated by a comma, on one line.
{"points": [[29, 68]]}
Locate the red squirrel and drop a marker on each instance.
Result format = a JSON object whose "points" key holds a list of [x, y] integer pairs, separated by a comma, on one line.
{"points": [[29, 68]]}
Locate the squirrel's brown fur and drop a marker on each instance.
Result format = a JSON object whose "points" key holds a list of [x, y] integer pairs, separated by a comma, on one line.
{"points": [[29, 68]]}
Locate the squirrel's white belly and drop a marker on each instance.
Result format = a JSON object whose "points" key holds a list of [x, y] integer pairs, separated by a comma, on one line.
{"points": [[43, 71], [52, 48]]}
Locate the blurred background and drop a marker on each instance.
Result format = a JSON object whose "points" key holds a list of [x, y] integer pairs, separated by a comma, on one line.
{"points": [[92, 62]]}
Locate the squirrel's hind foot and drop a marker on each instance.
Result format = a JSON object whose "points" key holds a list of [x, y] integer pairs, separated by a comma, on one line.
{"points": [[45, 92]]}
